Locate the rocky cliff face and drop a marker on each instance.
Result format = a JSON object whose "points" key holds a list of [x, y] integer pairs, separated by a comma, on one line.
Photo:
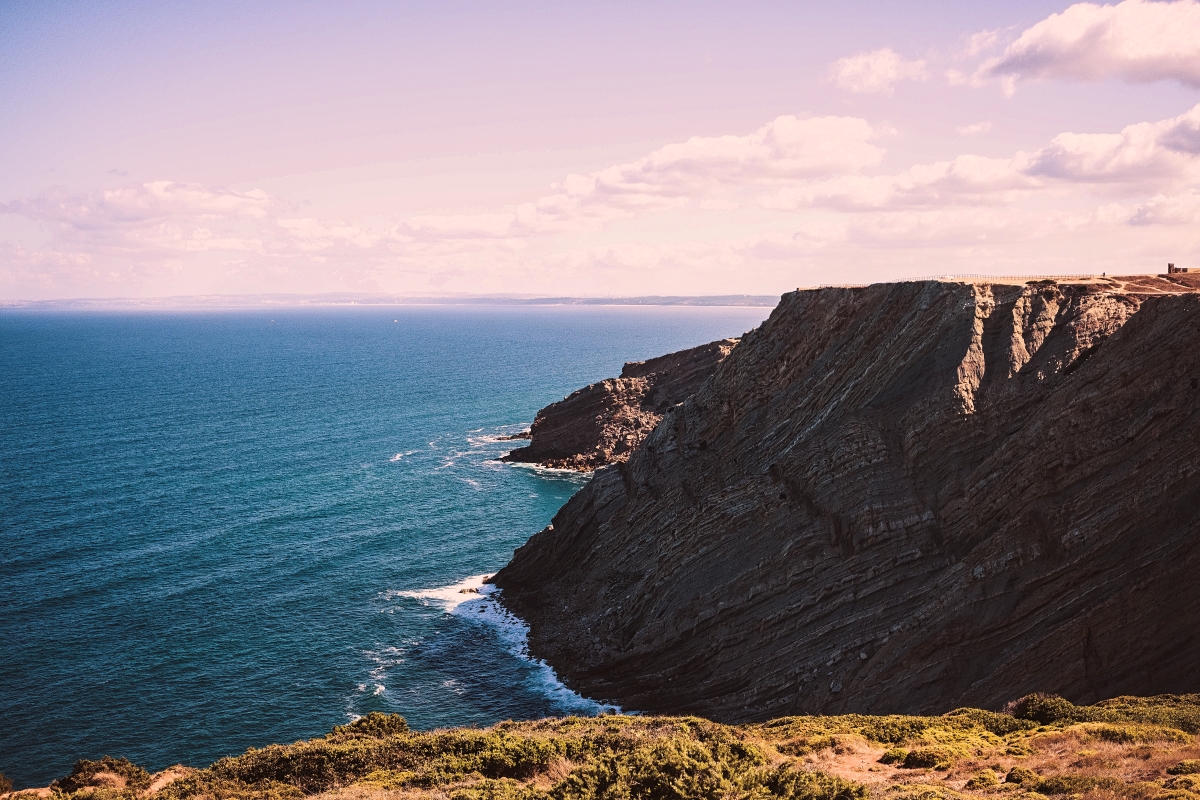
{"points": [[602, 423], [902, 498]]}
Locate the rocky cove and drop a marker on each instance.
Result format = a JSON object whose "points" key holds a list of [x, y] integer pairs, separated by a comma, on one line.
{"points": [[901, 498]]}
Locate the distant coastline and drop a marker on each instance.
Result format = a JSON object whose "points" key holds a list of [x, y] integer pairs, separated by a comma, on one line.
{"points": [[348, 300]]}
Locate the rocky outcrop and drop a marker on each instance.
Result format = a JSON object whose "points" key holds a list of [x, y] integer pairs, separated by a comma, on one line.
{"points": [[900, 498], [602, 423]]}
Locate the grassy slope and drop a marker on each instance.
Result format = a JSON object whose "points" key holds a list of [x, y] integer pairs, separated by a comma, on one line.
{"points": [[1135, 748]]}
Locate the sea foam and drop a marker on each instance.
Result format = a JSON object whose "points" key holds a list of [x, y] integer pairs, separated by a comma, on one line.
{"points": [[478, 603]]}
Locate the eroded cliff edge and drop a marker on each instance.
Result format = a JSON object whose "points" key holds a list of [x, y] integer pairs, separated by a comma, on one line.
{"points": [[901, 498], [604, 422]]}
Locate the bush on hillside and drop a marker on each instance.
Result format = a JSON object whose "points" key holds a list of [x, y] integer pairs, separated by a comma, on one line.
{"points": [[984, 779], [1022, 776], [1181, 712], [375, 725], [106, 773], [1045, 709], [929, 758], [1076, 784]]}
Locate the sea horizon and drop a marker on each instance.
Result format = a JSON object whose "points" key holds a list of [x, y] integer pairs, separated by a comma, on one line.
{"points": [[236, 527]]}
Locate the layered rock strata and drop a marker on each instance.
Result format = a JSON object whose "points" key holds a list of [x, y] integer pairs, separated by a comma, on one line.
{"points": [[602, 423], [901, 498]]}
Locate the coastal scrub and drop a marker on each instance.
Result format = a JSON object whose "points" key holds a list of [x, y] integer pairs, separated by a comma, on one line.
{"points": [[1122, 749]]}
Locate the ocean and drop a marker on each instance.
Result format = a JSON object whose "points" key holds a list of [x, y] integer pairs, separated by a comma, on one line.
{"points": [[225, 529]]}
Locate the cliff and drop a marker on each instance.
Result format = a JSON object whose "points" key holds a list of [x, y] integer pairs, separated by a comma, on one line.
{"points": [[602, 423], [901, 498]]}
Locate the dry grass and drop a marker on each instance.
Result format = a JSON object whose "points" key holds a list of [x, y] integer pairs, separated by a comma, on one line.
{"points": [[1125, 749]]}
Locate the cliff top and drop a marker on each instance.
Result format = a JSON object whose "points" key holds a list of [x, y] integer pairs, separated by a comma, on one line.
{"points": [[1172, 283]]}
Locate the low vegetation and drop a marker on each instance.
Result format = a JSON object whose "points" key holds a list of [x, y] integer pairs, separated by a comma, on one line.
{"points": [[1039, 748]]}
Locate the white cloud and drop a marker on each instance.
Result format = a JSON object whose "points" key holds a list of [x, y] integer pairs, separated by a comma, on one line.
{"points": [[979, 42], [975, 129], [1133, 40], [140, 203], [966, 179], [787, 149], [877, 71], [1155, 154], [310, 234], [710, 214], [1148, 156], [1180, 209], [463, 225]]}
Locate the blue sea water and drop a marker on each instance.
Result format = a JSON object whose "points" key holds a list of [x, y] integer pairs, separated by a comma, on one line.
{"points": [[224, 529]]}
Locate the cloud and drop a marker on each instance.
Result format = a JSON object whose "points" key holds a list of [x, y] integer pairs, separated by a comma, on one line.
{"points": [[1180, 209], [966, 179], [975, 129], [463, 225], [1154, 156], [1133, 40], [152, 221], [787, 149], [139, 203], [308, 234], [712, 214], [981, 41], [1158, 154], [877, 71]]}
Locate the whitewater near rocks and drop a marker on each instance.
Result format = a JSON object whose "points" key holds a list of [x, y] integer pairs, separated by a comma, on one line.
{"points": [[900, 498]]}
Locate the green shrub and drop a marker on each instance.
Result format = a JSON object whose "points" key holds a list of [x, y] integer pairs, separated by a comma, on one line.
{"points": [[1022, 776], [1189, 767], [498, 789], [895, 755], [373, 726], [1134, 733], [998, 724], [678, 767], [204, 784], [984, 779], [388, 779], [922, 791], [1177, 794], [1190, 783], [791, 784], [895, 729], [1046, 709], [929, 758], [84, 775], [1076, 784], [803, 746], [1181, 712]]}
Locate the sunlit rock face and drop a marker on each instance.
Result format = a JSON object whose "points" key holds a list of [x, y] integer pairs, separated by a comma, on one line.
{"points": [[603, 423], [900, 498]]}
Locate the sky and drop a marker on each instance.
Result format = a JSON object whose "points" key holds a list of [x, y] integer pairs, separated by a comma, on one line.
{"points": [[155, 149]]}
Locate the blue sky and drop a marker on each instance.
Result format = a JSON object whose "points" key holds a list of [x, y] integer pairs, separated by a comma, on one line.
{"points": [[153, 149]]}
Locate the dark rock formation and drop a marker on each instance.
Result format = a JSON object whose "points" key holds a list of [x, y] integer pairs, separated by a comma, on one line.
{"points": [[603, 423], [901, 498]]}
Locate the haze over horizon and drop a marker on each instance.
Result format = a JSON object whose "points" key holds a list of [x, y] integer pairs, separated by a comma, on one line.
{"points": [[155, 149]]}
